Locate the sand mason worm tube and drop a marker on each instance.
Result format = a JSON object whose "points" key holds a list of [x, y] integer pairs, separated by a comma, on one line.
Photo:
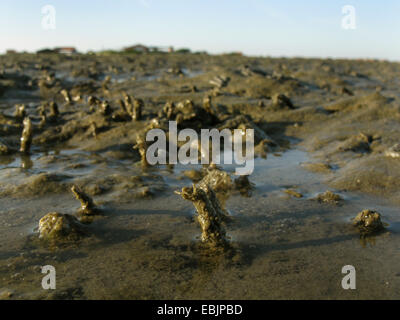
{"points": [[42, 109], [368, 222], [20, 112], [122, 106], [137, 109], [26, 137], [220, 183], [58, 226], [54, 112], [207, 105], [169, 110], [92, 101], [142, 145], [128, 102], [282, 101], [94, 129], [87, 205], [209, 214], [43, 121], [66, 95], [105, 108]]}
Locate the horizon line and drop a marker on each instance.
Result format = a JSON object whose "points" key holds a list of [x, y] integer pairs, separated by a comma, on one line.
{"points": [[191, 51]]}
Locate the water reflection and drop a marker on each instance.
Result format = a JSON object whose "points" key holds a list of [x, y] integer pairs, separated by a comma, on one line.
{"points": [[26, 162]]}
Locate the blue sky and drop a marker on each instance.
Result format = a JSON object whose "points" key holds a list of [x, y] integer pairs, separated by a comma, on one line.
{"points": [[254, 27]]}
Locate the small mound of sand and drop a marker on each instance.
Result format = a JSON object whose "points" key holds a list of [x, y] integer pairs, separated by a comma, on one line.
{"points": [[38, 185]]}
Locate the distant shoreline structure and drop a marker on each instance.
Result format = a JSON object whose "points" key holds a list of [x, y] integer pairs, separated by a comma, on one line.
{"points": [[137, 48], [143, 49]]}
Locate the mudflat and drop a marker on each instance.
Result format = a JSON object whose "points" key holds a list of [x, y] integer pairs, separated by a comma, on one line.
{"points": [[326, 146]]}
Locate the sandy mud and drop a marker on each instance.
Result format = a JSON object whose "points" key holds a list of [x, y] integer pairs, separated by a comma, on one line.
{"points": [[77, 193]]}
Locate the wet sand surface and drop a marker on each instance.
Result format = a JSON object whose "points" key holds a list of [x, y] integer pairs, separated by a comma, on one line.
{"points": [[339, 134]]}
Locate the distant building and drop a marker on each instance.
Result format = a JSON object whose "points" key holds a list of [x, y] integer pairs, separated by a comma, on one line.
{"points": [[139, 48], [11, 51], [66, 50], [60, 50], [164, 49]]}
